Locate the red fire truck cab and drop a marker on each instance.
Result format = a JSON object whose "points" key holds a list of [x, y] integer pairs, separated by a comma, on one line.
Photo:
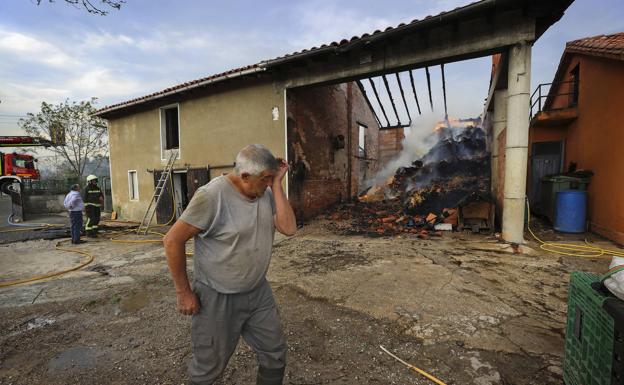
{"points": [[13, 166]]}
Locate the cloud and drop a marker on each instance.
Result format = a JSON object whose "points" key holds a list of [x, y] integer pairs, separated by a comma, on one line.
{"points": [[103, 83], [326, 23], [18, 46], [104, 39], [26, 97]]}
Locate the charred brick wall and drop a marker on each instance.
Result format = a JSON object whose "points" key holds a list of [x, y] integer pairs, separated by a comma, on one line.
{"points": [[323, 133], [390, 144], [365, 164]]}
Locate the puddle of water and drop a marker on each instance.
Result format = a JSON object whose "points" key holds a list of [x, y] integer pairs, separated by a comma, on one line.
{"points": [[75, 358], [39, 322], [134, 302]]}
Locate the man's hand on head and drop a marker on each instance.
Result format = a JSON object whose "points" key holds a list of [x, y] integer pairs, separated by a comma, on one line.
{"points": [[188, 303], [281, 171]]}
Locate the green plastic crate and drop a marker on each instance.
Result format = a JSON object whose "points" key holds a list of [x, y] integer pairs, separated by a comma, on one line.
{"points": [[589, 334]]}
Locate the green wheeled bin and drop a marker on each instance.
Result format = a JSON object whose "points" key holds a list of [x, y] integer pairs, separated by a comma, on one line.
{"points": [[551, 185]]}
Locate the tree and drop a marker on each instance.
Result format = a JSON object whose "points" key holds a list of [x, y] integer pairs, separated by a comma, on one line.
{"points": [[84, 134], [88, 5]]}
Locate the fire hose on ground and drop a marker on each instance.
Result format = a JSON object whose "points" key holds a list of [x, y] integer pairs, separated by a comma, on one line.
{"points": [[90, 258], [571, 249]]}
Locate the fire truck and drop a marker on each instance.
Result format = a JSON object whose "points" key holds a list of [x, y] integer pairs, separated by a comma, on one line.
{"points": [[15, 167]]}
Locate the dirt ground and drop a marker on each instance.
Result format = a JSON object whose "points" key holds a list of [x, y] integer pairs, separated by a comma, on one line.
{"points": [[462, 307]]}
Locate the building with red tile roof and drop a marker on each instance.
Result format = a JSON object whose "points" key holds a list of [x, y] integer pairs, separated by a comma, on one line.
{"points": [[578, 126]]}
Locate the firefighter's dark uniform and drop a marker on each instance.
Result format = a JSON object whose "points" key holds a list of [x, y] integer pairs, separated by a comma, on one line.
{"points": [[92, 195]]}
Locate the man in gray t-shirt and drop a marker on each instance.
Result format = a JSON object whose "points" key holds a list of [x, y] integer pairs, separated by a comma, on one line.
{"points": [[233, 220]]}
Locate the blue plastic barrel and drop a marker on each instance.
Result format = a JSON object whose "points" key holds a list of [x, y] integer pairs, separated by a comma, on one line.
{"points": [[570, 211]]}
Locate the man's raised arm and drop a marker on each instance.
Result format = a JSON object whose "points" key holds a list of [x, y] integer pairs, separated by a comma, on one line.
{"points": [[284, 219], [175, 250]]}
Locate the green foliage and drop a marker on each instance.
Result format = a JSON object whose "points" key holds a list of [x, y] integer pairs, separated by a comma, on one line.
{"points": [[49, 186], [84, 134]]}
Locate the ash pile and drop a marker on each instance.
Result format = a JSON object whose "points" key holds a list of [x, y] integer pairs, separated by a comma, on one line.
{"points": [[447, 188]]}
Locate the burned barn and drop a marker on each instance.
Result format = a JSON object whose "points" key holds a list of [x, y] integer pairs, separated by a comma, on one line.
{"points": [[448, 184], [201, 124]]}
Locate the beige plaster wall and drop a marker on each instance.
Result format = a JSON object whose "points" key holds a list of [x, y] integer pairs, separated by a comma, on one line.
{"points": [[212, 130]]}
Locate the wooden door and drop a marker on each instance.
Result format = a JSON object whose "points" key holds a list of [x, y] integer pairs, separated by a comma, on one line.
{"points": [[164, 210], [195, 178]]}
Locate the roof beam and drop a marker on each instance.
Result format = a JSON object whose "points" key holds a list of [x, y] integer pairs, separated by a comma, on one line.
{"points": [[464, 39], [414, 91], [429, 87], [444, 90], [383, 110], [391, 99], [370, 106], [398, 78]]}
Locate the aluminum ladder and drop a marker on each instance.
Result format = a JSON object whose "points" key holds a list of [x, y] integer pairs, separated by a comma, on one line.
{"points": [[160, 186]]}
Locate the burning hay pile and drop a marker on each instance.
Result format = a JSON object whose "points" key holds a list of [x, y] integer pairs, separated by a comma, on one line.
{"points": [[432, 193]]}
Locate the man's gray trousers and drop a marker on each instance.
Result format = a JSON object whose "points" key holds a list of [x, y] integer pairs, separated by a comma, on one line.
{"points": [[222, 319]]}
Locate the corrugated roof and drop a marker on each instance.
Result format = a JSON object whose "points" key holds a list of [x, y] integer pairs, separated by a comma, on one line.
{"points": [[602, 45]]}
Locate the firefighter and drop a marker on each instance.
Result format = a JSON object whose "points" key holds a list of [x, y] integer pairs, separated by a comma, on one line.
{"points": [[93, 199]]}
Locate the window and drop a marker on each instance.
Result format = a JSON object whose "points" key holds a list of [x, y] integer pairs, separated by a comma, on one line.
{"points": [[170, 129], [575, 86], [133, 185], [18, 162], [362, 141], [23, 161]]}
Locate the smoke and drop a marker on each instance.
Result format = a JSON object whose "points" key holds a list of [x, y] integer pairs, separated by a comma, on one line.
{"points": [[419, 139]]}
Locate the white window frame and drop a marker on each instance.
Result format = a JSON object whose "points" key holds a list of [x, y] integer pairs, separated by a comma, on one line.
{"points": [[362, 129], [133, 185], [163, 131]]}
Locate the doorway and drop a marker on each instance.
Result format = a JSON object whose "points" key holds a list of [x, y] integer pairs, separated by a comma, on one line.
{"points": [[546, 159], [180, 192]]}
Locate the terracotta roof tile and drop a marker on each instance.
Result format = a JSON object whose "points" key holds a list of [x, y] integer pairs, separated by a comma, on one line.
{"points": [[176, 88], [602, 45], [261, 65]]}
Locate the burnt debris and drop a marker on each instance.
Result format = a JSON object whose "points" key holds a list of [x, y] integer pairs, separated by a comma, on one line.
{"points": [[453, 174]]}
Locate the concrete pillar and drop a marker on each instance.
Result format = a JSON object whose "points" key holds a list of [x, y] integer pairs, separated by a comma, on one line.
{"points": [[499, 121], [516, 148]]}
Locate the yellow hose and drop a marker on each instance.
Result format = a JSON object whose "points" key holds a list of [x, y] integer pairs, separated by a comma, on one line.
{"points": [[90, 256], [56, 273], [572, 249], [39, 227]]}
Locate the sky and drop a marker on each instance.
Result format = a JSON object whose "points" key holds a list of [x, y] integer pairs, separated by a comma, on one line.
{"points": [[54, 51]]}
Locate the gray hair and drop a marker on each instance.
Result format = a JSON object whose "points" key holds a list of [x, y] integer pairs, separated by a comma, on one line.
{"points": [[75, 187], [253, 159]]}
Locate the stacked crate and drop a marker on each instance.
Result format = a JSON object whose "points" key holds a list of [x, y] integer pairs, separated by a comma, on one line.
{"points": [[594, 336]]}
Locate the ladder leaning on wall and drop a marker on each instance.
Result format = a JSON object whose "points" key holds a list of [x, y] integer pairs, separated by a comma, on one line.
{"points": [[160, 187]]}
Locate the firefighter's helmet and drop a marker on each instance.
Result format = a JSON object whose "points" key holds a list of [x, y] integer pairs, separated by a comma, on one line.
{"points": [[91, 177]]}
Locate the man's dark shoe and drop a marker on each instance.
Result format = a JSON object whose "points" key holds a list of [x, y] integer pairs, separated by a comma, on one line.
{"points": [[270, 376], [79, 242]]}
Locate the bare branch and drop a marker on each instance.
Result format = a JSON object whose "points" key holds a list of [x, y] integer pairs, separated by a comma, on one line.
{"points": [[85, 134], [89, 7]]}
